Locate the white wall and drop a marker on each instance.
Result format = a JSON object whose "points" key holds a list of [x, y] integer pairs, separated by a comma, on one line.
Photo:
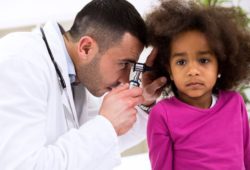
{"points": [[16, 14]]}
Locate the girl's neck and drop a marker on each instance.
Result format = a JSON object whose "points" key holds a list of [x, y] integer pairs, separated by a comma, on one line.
{"points": [[203, 102]]}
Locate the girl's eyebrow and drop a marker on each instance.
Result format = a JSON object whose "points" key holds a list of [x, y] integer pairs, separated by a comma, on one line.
{"points": [[205, 52], [179, 54], [182, 54]]}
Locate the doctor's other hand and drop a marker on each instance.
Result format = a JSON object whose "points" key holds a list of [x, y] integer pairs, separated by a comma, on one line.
{"points": [[118, 107], [152, 87]]}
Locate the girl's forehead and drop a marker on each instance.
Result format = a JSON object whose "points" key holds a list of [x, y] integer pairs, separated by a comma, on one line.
{"points": [[190, 40]]}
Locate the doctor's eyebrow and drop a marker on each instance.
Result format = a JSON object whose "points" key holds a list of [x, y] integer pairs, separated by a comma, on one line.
{"points": [[128, 61]]}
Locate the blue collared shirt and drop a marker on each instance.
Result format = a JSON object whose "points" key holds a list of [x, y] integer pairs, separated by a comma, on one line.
{"points": [[70, 65]]}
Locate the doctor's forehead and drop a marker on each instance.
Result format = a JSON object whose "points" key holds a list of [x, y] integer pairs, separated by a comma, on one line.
{"points": [[130, 47]]}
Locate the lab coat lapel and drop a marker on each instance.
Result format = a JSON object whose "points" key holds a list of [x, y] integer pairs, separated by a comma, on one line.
{"points": [[55, 43], [69, 107]]}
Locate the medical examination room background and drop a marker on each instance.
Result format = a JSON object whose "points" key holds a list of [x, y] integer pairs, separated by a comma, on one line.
{"points": [[24, 15]]}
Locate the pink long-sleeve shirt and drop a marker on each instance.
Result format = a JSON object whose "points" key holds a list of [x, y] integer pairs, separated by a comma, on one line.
{"points": [[184, 137]]}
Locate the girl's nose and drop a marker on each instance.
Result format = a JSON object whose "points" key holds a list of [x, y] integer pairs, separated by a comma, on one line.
{"points": [[193, 69]]}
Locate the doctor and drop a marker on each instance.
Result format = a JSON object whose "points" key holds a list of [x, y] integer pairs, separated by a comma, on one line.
{"points": [[48, 118]]}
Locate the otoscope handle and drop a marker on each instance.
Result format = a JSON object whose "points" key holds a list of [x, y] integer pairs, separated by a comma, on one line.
{"points": [[134, 84]]}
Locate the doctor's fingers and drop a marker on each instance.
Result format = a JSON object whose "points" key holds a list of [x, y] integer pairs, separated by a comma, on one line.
{"points": [[126, 120], [126, 98], [131, 102], [133, 92], [117, 90], [120, 88], [126, 125], [133, 117], [130, 115]]}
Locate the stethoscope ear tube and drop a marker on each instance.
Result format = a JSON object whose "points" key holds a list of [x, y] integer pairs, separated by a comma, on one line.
{"points": [[58, 72]]}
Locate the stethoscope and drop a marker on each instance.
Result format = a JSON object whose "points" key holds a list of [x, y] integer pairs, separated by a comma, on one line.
{"points": [[60, 77], [58, 72]]}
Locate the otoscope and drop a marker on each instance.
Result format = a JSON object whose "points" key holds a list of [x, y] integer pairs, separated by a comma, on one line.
{"points": [[139, 68]]}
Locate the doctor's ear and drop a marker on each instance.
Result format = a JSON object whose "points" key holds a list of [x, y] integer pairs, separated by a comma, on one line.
{"points": [[87, 46]]}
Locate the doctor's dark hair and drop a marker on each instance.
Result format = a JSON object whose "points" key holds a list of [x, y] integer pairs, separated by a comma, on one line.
{"points": [[226, 31], [106, 21]]}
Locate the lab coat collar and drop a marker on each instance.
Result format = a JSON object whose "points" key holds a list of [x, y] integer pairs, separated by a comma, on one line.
{"points": [[56, 45]]}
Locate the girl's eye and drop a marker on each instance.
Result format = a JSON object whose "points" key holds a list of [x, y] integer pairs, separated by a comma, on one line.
{"points": [[203, 60], [181, 62]]}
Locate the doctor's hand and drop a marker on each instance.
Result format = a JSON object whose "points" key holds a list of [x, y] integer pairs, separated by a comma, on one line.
{"points": [[152, 87], [118, 107]]}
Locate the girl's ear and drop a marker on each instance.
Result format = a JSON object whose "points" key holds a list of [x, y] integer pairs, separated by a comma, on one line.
{"points": [[171, 77], [169, 72]]}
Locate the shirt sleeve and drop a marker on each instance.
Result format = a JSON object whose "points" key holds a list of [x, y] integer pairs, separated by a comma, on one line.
{"points": [[136, 134], [159, 140], [246, 138]]}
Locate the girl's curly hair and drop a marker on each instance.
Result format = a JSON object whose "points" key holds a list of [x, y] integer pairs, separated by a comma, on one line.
{"points": [[226, 31]]}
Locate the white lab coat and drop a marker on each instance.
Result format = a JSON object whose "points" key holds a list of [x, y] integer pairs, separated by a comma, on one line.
{"points": [[34, 109]]}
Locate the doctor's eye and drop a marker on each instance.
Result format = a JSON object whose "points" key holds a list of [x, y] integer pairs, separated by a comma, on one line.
{"points": [[125, 65]]}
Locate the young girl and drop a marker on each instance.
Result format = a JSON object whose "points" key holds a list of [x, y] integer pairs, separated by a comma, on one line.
{"points": [[205, 53]]}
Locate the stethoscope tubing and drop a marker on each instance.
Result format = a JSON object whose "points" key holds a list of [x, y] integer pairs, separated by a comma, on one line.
{"points": [[59, 75], [58, 72]]}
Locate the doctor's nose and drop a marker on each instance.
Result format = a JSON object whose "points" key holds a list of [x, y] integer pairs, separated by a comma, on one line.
{"points": [[124, 78]]}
